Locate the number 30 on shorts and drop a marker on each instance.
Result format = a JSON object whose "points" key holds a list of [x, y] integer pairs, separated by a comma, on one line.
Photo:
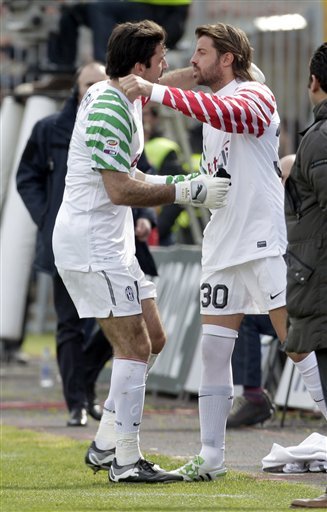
{"points": [[217, 296]]}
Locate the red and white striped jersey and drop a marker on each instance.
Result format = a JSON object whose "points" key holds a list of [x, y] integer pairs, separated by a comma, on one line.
{"points": [[240, 138]]}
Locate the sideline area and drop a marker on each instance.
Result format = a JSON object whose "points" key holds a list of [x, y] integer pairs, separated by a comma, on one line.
{"points": [[170, 425]]}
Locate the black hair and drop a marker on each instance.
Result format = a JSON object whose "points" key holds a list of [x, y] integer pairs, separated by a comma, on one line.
{"points": [[318, 66], [130, 43]]}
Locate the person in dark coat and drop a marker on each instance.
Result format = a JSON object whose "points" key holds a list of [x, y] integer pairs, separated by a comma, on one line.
{"points": [[306, 220], [81, 353]]}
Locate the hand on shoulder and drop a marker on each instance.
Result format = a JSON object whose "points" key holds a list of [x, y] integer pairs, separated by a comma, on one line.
{"points": [[134, 86]]}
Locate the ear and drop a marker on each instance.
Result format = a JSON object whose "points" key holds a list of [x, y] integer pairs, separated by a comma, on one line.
{"points": [[227, 59], [315, 84], [139, 69]]}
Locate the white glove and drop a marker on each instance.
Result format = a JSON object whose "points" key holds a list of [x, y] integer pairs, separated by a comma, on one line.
{"points": [[203, 191], [157, 179]]}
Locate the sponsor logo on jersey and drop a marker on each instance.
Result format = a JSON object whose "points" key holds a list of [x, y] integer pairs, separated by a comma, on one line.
{"points": [[262, 243], [218, 166], [111, 146], [129, 293]]}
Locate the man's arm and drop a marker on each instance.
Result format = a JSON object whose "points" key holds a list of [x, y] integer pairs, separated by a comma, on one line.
{"points": [[206, 191], [249, 110], [127, 191], [182, 78], [32, 175]]}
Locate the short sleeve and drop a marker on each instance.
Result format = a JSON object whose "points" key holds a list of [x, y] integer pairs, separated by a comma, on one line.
{"points": [[109, 133]]}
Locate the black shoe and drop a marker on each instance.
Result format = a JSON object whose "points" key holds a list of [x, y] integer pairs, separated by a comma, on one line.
{"points": [[78, 418], [92, 405], [98, 459], [245, 412], [141, 471], [94, 410]]}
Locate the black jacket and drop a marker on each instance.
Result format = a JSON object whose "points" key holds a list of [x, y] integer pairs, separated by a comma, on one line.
{"points": [[41, 181], [41, 176], [306, 221]]}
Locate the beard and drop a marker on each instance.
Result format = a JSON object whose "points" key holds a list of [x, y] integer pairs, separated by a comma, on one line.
{"points": [[211, 77]]}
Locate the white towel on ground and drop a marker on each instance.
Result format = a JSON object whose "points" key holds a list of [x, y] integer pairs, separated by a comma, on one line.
{"points": [[310, 455]]}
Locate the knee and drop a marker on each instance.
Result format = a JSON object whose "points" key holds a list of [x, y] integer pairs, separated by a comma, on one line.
{"points": [[217, 345], [296, 358], [141, 348], [139, 345], [158, 342]]}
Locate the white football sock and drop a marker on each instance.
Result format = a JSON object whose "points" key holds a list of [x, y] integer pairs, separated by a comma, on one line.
{"points": [[216, 392], [128, 389], [105, 438], [309, 370], [128, 448]]}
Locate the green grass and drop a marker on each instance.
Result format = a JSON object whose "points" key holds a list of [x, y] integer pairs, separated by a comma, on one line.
{"points": [[45, 473]]}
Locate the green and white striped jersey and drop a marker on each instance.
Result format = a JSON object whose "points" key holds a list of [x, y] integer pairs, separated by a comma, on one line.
{"points": [[91, 232]]}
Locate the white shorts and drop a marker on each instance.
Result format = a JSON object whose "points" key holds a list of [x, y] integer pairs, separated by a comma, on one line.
{"points": [[108, 292], [252, 288]]}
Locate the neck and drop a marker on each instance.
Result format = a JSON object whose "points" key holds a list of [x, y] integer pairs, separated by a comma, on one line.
{"points": [[221, 84], [319, 97], [114, 82]]}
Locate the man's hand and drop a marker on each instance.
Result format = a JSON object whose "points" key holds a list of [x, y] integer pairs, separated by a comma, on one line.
{"points": [[134, 86], [203, 191], [142, 229]]}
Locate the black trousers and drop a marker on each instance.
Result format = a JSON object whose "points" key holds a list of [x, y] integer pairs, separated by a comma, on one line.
{"points": [[81, 355], [246, 359]]}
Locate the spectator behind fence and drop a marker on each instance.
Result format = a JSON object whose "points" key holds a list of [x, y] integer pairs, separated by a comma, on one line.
{"points": [[40, 181], [101, 16], [243, 270], [306, 221]]}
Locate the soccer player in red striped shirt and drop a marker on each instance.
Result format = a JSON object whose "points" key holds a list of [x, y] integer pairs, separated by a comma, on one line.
{"points": [[243, 270]]}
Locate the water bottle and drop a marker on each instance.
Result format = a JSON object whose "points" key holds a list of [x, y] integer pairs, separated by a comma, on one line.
{"points": [[46, 378]]}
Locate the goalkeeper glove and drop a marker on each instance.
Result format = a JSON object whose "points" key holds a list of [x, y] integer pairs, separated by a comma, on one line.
{"points": [[203, 191]]}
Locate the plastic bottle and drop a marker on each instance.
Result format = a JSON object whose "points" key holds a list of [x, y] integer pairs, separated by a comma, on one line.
{"points": [[46, 377]]}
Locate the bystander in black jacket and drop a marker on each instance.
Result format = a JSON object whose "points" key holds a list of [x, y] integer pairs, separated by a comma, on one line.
{"points": [[41, 177], [40, 182], [306, 219]]}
